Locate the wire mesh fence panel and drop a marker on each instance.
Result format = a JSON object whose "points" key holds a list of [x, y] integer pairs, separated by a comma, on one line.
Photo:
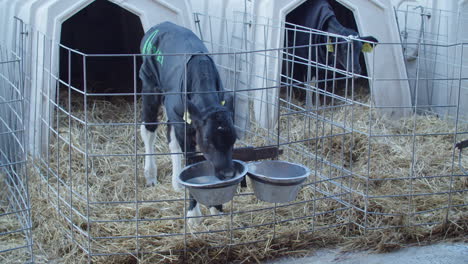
{"points": [[373, 167], [15, 207], [436, 62]]}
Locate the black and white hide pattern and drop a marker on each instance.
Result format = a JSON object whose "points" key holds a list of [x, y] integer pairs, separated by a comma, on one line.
{"points": [[319, 14], [199, 110]]}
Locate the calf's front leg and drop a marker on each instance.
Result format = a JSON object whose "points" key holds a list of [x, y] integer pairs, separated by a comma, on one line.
{"points": [[151, 170], [176, 158], [151, 105]]}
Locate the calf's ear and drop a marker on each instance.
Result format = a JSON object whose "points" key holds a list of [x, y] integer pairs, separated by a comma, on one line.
{"points": [[330, 47], [368, 47]]}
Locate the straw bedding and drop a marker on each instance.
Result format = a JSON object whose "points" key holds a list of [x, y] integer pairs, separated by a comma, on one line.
{"points": [[120, 178], [9, 241]]}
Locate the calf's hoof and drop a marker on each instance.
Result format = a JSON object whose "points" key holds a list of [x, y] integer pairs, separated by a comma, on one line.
{"points": [[193, 213], [151, 182], [151, 175]]}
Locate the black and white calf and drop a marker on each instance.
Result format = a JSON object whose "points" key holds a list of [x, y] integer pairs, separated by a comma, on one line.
{"points": [[319, 15], [199, 111]]}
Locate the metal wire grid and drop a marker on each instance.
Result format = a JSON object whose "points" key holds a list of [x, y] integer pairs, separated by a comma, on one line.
{"points": [[437, 65], [319, 142], [15, 208], [72, 193], [378, 132], [339, 172]]}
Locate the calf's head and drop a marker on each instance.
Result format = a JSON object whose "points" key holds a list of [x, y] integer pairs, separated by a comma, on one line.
{"points": [[346, 53], [215, 136]]}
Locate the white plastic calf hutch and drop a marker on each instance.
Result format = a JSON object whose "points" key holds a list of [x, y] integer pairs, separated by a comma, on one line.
{"points": [[88, 26], [385, 66]]}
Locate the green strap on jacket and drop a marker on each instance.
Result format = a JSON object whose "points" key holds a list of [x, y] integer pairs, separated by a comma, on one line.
{"points": [[148, 48]]}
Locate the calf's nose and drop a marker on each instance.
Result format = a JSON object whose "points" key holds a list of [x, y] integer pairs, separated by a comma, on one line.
{"points": [[225, 173]]}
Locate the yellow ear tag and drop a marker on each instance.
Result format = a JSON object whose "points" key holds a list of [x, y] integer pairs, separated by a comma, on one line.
{"points": [[367, 47], [186, 118], [330, 47]]}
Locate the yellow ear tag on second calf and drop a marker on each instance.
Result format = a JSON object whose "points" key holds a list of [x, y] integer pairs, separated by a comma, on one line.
{"points": [[223, 102], [367, 47], [330, 47]]}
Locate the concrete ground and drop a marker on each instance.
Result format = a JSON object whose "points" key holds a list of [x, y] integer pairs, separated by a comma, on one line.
{"points": [[444, 253]]}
